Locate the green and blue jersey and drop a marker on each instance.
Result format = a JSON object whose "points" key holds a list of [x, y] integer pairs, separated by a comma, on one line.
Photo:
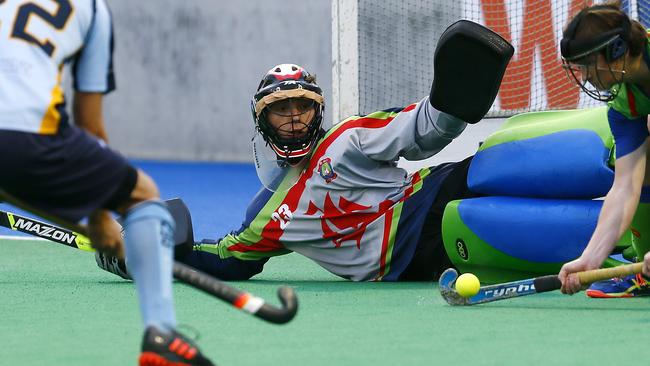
{"points": [[628, 113], [628, 118]]}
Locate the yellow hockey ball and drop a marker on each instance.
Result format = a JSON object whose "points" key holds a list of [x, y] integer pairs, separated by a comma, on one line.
{"points": [[467, 285]]}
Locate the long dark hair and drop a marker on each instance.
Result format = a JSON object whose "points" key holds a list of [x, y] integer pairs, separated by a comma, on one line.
{"points": [[601, 18]]}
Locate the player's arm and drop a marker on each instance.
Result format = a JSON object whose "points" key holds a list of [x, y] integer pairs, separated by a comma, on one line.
{"points": [[87, 112], [232, 258], [241, 254], [615, 218], [619, 207], [621, 201], [92, 72], [227, 269]]}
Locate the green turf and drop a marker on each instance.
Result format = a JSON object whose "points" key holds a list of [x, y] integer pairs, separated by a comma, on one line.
{"points": [[57, 308]]}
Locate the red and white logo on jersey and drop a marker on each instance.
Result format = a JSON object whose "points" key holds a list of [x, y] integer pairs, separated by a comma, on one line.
{"points": [[345, 220]]}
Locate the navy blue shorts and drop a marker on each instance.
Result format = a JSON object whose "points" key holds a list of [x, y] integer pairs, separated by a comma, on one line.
{"points": [[68, 175], [430, 258]]}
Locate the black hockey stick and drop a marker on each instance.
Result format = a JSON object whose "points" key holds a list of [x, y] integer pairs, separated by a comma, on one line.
{"points": [[75, 236], [530, 286], [45, 231]]}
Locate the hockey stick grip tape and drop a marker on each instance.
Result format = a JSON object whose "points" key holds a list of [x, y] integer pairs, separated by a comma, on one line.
{"points": [[588, 277], [547, 283], [552, 282]]}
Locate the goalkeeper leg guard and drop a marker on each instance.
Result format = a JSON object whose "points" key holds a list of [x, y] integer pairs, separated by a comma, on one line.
{"points": [[469, 63]]}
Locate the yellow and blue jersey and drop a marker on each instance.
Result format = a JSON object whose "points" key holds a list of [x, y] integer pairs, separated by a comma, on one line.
{"points": [[37, 38]]}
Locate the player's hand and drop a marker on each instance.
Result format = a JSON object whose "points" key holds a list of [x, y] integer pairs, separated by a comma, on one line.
{"points": [[106, 234], [570, 281]]}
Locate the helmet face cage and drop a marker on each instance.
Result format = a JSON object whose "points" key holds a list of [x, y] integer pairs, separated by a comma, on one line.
{"points": [[280, 83], [295, 147], [580, 73], [580, 57]]}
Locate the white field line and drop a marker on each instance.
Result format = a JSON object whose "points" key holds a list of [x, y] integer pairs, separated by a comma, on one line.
{"points": [[16, 237]]}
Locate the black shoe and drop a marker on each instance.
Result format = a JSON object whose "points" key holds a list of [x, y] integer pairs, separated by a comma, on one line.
{"points": [[170, 349]]}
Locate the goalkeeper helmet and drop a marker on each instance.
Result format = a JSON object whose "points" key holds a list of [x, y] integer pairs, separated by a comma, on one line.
{"points": [[288, 90]]}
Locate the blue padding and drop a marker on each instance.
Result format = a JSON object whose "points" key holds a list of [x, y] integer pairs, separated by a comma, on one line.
{"points": [[536, 230], [565, 164]]}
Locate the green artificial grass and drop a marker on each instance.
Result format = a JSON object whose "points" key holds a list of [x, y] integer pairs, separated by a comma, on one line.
{"points": [[58, 308]]}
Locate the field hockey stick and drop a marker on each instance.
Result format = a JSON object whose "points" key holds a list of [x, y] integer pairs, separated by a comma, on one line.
{"points": [[525, 287], [183, 235], [75, 236], [45, 231]]}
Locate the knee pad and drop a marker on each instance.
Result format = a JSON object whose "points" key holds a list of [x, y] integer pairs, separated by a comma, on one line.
{"points": [[184, 233]]}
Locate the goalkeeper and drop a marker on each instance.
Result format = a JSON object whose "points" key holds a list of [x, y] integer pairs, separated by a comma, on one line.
{"points": [[608, 55], [337, 196]]}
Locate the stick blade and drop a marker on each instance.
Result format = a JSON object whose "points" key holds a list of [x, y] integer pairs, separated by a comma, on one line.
{"points": [[446, 284]]}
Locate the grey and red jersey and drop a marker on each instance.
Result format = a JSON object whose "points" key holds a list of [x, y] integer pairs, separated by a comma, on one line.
{"points": [[352, 210]]}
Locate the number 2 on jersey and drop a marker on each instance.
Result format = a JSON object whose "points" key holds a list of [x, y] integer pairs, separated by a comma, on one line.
{"points": [[57, 20]]}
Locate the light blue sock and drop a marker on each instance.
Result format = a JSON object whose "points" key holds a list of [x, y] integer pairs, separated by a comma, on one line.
{"points": [[148, 241]]}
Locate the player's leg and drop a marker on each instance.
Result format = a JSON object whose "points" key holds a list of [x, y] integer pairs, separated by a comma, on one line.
{"points": [[183, 241], [66, 175], [148, 230], [72, 175], [430, 258], [149, 246]]}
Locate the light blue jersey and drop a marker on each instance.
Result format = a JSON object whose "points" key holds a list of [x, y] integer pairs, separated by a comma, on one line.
{"points": [[37, 38]]}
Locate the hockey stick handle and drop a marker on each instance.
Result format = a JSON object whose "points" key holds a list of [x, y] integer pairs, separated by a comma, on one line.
{"points": [[190, 276], [240, 299], [588, 277], [552, 282]]}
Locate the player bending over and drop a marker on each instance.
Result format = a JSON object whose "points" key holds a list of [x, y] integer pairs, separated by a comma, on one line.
{"points": [[337, 196], [64, 171], [608, 55]]}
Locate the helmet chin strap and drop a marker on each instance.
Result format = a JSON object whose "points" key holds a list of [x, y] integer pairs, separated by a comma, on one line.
{"points": [[291, 158], [294, 162]]}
